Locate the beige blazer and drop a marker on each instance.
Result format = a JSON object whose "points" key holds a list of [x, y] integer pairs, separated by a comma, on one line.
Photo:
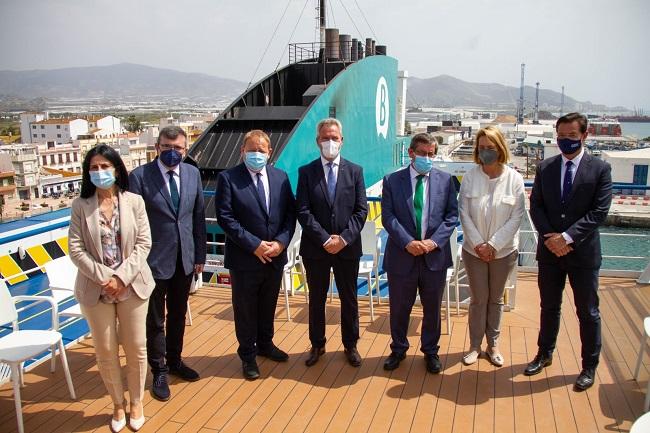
{"points": [[84, 242]]}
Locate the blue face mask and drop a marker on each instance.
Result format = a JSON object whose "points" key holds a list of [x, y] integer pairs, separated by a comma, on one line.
{"points": [[255, 161], [171, 158], [568, 146], [422, 164], [103, 179]]}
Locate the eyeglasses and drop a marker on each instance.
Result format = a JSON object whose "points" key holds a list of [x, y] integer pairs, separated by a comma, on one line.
{"points": [[169, 147]]}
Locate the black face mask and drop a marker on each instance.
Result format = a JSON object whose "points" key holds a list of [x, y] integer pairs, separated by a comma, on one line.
{"points": [[568, 146]]}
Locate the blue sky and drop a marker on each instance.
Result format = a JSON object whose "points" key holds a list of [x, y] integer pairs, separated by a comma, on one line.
{"points": [[599, 50]]}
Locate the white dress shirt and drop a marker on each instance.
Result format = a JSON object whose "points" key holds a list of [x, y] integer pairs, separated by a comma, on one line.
{"points": [[265, 183], [425, 200], [576, 164], [335, 167], [326, 170], [177, 175]]}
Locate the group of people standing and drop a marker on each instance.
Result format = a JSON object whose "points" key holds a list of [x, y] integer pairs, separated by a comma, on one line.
{"points": [[139, 240]]}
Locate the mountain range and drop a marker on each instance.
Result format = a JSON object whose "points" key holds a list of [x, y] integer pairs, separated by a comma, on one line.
{"points": [[127, 80]]}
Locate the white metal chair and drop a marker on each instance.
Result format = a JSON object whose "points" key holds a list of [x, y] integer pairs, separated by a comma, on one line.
{"points": [[371, 246], [452, 273], [646, 331], [293, 260], [62, 274], [298, 264], [20, 346]]}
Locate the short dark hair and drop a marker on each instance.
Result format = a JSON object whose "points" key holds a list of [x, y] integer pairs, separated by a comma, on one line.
{"points": [[423, 138], [171, 133], [121, 175], [573, 117]]}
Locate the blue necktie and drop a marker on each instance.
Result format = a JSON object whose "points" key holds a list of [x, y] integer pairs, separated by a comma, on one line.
{"points": [[260, 191], [568, 181], [331, 181], [173, 191]]}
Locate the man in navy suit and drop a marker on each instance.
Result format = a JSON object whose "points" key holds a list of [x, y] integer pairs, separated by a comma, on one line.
{"points": [[173, 196], [332, 209], [256, 210], [571, 196], [419, 212]]}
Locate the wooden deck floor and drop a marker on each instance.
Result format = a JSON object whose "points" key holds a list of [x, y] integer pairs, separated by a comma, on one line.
{"points": [[334, 397]]}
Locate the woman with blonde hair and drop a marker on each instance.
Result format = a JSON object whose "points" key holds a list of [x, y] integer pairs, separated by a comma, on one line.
{"points": [[109, 241], [491, 205]]}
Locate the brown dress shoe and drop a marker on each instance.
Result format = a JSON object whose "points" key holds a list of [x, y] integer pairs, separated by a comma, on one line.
{"points": [[353, 356], [314, 354]]}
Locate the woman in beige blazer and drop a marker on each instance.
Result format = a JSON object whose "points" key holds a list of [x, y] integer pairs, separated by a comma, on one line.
{"points": [[109, 241]]}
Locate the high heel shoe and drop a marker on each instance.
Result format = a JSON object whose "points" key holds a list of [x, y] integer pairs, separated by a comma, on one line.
{"points": [[136, 423], [117, 425]]}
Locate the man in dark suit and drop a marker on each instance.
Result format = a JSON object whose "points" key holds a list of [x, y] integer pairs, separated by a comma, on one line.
{"points": [[256, 210], [173, 196], [571, 196], [419, 212], [332, 209]]}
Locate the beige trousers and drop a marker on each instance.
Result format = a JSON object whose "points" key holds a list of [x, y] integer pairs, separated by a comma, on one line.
{"points": [[122, 323]]}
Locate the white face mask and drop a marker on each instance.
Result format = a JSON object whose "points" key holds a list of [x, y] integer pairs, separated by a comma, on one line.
{"points": [[330, 149]]}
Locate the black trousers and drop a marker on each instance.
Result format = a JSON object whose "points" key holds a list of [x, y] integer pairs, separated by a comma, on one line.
{"points": [[254, 298], [165, 335], [346, 273], [584, 282], [403, 290]]}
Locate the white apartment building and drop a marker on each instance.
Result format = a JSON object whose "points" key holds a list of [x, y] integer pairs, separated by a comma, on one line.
{"points": [[50, 132], [62, 157], [26, 119]]}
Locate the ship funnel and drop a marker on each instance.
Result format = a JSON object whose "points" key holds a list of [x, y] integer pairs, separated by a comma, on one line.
{"points": [[368, 47], [345, 43], [359, 50], [372, 48], [381, 50], [354, 50], [332, 50]]}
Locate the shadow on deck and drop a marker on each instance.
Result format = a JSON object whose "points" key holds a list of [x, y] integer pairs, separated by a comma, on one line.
{"points": [[332, 396]]}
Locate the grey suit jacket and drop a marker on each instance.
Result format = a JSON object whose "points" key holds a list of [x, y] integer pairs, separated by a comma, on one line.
{"points": [[84, 243], [172, 233]]}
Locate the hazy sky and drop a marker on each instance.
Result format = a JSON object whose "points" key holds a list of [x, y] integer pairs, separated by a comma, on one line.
{"points": [[598, 49]]}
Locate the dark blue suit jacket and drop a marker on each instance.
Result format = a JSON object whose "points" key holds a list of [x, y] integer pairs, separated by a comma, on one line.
{"points": [[169, 231], [242, 216], [584, 210], [398, 218], [321, 218]]}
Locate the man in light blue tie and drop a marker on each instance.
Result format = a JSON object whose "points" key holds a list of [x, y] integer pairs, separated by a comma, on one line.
{"points": [[332, 209], [256, 210]]}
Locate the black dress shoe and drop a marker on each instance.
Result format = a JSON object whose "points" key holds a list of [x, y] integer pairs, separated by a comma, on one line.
{"points": [[274, 354], [251, 370], [159, 387], [537, 364], [184, 372], [393, 360], [586, 379], [352, 354], [314, 354], [433, 364]]}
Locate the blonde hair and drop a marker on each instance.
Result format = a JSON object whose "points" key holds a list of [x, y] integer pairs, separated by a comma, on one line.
{"points": [[495, 136], [256, 133]]}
